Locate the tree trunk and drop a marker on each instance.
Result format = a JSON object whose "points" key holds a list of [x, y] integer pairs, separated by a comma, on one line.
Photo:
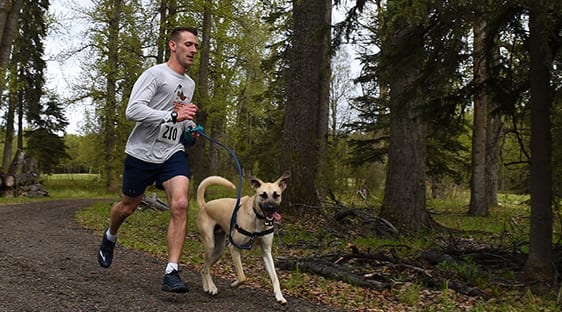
{"points": [[493, 134], [9, 29], [325, 77], [4, 11], [167, 11], [216, 124], [306, 115], [9, 130], [539, 265], [17, 163], [110, 112], [405, 193], [9, 14], [478, 202], [162, 32], [217, 131], [199, 164]]}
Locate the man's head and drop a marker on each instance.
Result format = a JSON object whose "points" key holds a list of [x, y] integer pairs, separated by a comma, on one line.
{"points": [[183, 45]]}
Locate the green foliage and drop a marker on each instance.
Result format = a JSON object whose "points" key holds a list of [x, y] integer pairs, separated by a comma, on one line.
{"points": [[28, 59], [410, 295], [238, 112], [43, 142], [112, 59], [26, 81], [84, 154], [468, 271], [47, 147], [448, 89], [445, 90]]}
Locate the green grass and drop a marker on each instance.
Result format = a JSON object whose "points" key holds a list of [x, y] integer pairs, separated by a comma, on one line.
{"points": [[75, 185], [146, 231]]}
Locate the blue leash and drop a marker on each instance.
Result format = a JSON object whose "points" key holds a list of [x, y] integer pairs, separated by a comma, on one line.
{"points": [[189, 140]]}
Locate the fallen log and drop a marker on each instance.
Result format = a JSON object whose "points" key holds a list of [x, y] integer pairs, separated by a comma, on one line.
{"points": [[8, 180], [328, 269], [22, 179], [32, 190], [376, 270]]}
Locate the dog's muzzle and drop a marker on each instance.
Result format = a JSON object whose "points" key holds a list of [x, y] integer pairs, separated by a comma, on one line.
{"points": [[270, 211]]}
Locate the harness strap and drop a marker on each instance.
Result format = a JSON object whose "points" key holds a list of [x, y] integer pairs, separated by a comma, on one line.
{"points": [[253, 235]]}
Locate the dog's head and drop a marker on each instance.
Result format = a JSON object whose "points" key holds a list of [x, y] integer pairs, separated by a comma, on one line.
{"points": [[268, 196]]}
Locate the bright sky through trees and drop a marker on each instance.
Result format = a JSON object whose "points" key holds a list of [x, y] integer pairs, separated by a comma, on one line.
{"points": [[63, 70]]}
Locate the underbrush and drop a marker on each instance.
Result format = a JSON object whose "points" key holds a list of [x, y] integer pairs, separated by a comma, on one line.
{"points": [[427, 272]]}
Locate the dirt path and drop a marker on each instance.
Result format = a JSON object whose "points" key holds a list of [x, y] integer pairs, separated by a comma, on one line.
{"points": [[48, 263]]}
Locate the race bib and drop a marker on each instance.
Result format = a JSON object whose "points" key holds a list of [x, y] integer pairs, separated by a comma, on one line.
{"points": [[170, 133]]}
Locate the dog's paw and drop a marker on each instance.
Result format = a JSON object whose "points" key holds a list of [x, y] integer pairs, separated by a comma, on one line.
{"points": [[236, 283], [212, 290], [205, 281], [281, 299], [208, 285]]}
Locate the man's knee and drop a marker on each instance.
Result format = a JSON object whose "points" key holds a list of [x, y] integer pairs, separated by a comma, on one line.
{"points": [[179, 206]]}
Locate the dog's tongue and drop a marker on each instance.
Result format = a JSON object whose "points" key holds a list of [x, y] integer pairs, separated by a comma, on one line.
{"points": [[276, 216]]}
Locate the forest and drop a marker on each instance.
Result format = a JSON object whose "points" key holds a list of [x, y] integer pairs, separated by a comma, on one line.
{"points": [[448, 96]]}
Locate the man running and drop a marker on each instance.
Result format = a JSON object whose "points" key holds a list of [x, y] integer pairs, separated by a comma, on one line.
{"points": [[160, 104]]}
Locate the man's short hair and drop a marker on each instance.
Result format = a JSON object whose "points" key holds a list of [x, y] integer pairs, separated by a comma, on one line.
{"points": [[177, 30]]}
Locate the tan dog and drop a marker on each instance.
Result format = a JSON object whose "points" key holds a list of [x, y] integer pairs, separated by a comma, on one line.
{"points": [[254, 222]]}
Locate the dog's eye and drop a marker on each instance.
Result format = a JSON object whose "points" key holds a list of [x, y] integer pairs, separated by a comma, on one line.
{"points": [[263, 195], [275, 195]]}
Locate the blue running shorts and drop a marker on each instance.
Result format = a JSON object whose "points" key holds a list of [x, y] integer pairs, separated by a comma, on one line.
{"points": [[138, 174]]}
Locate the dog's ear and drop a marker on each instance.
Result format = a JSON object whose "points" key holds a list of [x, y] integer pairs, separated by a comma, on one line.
{"points": [[282, 180], [255, 182]]}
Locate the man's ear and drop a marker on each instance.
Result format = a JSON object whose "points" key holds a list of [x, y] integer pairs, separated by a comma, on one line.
{"points": [[172, 45]]}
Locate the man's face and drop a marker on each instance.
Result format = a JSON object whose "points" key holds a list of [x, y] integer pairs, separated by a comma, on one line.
{"points": [[185, 48]]}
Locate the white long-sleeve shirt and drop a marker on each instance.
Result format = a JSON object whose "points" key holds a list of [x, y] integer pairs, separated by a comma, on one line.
{"points": [[150, 105]]}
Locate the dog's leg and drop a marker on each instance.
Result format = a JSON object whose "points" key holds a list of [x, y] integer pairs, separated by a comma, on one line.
{"points": [[220, 244], [265, 244], [240, 276], [210, 258]]}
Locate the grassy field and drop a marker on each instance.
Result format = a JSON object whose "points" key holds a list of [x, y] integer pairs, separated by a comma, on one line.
{"points": [[74, 185], [146, 231]]}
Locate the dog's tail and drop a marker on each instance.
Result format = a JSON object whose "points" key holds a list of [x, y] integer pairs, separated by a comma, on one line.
{"points": [[212, 180]]}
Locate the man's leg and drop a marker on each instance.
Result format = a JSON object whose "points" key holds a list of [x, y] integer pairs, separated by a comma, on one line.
{"points": [[177, 189], [119, 212]]}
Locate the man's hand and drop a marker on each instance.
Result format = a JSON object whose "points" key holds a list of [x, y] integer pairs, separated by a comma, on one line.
{"points": [[186, 112], [191, 134]]}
